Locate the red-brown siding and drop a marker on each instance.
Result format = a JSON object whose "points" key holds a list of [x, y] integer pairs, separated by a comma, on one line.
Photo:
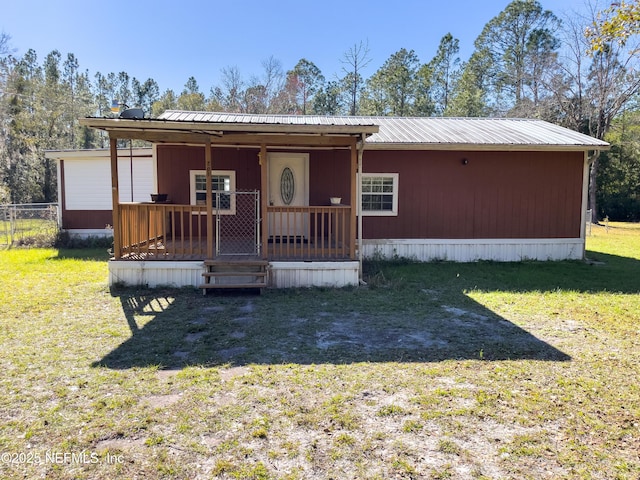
{"points": [[86, 219], [328, 171], [175, 162], [81, 219], [495, 195]]}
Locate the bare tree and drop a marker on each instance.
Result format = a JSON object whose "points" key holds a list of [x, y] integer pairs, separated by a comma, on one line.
{"points": [[232, 89], [355, 60], [592, 88], [272, 81]]}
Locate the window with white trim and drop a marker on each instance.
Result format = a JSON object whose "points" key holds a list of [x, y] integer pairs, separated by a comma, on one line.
{"points": [[222, 183], [379, 194]]}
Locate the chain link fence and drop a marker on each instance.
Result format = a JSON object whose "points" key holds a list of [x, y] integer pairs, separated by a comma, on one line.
{"points": [[28, 224]]}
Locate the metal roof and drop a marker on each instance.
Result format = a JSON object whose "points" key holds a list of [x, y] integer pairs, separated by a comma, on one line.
{"points": [[254, 119], [479, 132], [421, 132]]}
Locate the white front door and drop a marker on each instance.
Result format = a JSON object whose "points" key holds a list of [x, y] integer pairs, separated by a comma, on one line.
{"points": [[288, 187]]}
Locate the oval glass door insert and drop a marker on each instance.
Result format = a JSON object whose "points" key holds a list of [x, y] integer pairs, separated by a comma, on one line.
{"points": [[287, 186]]}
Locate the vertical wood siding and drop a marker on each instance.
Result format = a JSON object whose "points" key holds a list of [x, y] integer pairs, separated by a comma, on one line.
{"points": [[329, 176], [175, 162], [495, 195], [328, 171]]}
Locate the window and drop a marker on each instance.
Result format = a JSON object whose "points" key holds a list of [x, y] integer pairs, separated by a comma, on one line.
{"points": [[221, 181], [380, 194]]}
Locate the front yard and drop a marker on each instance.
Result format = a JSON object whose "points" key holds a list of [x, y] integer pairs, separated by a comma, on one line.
{"points": [[463, 371]]}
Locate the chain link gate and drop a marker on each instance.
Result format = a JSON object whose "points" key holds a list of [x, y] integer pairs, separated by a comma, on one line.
{"points": [[237, 233], [27, 223]]}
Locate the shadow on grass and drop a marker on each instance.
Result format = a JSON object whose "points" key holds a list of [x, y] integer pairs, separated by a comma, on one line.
{"points": [[413, 320], [95, 254], [410, 313]]}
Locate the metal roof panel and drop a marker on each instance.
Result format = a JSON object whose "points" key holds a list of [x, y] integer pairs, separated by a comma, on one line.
{"points": [[419, 131]]}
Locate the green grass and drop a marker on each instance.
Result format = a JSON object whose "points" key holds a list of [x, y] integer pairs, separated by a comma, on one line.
{"points": [[28, 231], [484, 371]]}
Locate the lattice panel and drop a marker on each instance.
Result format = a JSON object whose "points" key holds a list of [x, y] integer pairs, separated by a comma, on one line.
{"points": [[237, 233]]}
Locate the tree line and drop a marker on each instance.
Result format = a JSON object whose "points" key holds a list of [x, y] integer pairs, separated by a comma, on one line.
{"points": [[526, 62]]}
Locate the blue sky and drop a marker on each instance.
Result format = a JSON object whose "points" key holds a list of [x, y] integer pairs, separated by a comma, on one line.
{"points": [[172, 40]]}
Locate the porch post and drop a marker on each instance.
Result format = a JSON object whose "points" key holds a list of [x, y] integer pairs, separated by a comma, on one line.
{"points": [[209, 199], [354, 199], [585, 203], [359, 203], [115, 198], [263, 201]]}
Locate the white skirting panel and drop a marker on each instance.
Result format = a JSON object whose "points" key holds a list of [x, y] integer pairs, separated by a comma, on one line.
{"points": [[156, 273], [472, 250], [189, 274], [313, 274]]}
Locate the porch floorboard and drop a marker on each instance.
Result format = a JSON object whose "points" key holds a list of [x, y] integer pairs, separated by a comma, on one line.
{"points": [[169, 250]]}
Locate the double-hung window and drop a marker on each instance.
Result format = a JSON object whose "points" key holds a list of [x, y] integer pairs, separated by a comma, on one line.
{"points": [[379, 194], [223, 187]]}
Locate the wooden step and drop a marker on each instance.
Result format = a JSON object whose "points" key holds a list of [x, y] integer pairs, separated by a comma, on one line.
{"points": [[235, 274], [206, 286], [248, 273]]}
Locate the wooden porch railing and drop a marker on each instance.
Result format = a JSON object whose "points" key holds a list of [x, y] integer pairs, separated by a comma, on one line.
{"points": [[309, 233], [179, 232], [162, 231]]}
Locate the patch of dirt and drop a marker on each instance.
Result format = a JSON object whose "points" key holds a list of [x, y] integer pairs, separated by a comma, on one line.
{"points": [[244, 320], [200, 321], [347, 332], [166, 374], [459, 312], [247, 308], [233, 372], [228, 354], [570, 326], [213, 309], [120, 443], [161, 401], [194, 337]]}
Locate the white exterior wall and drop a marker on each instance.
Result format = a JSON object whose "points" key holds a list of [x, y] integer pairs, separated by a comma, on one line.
{"points": [[88, 185], [463, 250]]}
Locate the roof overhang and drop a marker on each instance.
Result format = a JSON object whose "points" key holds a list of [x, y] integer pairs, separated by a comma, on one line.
{"points": [[166, 131], [485, 147], [244, 130], [97, 153]]}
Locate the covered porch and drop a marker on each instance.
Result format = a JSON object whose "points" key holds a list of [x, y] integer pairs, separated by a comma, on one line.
{"points": [[168, 232], [275, 221]]}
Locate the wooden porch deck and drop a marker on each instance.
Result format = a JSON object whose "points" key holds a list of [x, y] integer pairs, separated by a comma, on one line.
{"points": [[183, 232], [183, 250]]}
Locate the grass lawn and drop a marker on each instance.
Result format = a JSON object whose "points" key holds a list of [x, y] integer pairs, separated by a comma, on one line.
{"points": [[462, 371], [28, 231]]}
